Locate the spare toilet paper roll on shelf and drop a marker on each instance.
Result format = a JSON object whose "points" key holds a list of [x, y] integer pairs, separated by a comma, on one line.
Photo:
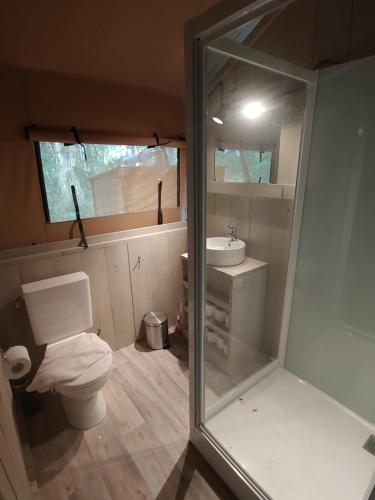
{"points": [[216, 339], [219, 315], [16, 362], [211, 335], [210, 308]]}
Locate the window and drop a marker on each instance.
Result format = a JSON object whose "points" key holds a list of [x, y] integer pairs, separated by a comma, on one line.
{"points": [[238, 165], [108, 178]]}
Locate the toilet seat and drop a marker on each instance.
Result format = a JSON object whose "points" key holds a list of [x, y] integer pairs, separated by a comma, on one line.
{"points": [[94, 373], [82, 361], [82, 398]]}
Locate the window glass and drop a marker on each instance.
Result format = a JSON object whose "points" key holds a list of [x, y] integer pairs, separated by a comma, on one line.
{"points": [[238, 165], [109, 179]]}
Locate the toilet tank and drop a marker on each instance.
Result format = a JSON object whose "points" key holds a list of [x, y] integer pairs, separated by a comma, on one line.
{"points": [[58, 307]]}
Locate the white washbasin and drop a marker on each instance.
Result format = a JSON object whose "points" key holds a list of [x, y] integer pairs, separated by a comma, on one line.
{"points": [[222, 252]]}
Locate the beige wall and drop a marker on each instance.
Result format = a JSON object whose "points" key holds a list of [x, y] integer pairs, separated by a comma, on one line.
{"points": [[52, 100], [309, 32], [14, 484], [122, 290], [121, 294], [264, 224]]}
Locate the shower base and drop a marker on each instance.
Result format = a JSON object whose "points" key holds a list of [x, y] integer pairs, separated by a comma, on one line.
{"points": [[296, 442]]}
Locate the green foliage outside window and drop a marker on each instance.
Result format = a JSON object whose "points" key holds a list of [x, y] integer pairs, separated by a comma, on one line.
{"points": [[63, 166], [235, 165]]}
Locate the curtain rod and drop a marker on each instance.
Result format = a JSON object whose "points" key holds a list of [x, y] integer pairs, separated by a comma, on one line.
{"points": [[151, 141]]}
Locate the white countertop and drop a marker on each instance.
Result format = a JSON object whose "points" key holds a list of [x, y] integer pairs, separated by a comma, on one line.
{"points": [[247, 266]]}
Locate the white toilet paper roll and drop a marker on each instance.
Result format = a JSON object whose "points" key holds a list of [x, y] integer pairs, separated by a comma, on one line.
{"points": [[219, 314], [16, 362]]}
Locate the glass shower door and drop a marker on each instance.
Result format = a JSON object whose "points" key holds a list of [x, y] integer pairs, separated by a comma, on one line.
{"points": [[285, 406], [278, 399], [248, 136], [255, 108]]}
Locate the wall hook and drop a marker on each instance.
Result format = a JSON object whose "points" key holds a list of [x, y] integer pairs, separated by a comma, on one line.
{"points": [[138, 263], [157, 140], [77, 139]]}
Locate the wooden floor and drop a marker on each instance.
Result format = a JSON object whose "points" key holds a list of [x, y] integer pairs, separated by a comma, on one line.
{"points": [[139, 451]]}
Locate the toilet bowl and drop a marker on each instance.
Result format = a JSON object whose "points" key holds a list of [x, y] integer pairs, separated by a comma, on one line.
{"points": [[76, 364], [82, 398]]}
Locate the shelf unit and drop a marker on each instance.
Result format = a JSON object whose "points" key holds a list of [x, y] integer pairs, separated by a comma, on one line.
{"points": [[240, 291], [212, 297], [214, 325]]}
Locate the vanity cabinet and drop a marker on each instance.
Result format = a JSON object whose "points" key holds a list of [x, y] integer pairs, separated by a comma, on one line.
{"points": [[240, 292]]}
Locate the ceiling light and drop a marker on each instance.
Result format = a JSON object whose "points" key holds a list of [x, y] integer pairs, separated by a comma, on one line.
{"points": [[217, 120], [253, 109]]}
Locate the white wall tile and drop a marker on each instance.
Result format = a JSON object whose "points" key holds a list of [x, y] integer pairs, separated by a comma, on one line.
{"points": [[240, 218], [265, 225], [223, 210]]}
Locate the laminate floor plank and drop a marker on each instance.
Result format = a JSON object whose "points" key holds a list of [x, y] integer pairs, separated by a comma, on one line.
{"points": [[140, 450]]}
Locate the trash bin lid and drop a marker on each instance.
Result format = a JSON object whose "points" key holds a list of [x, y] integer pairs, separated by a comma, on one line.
{"points": [[155, 318]]}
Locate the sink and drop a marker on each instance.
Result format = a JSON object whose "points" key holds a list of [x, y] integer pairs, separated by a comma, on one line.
{"points": [[222, 252]]}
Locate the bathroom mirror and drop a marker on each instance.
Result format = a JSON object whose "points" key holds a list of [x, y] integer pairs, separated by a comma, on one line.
{"points": [[254, 122]]}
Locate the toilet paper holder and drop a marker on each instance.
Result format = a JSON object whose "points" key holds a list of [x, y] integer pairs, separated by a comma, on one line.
{"points": [[15, 362]]}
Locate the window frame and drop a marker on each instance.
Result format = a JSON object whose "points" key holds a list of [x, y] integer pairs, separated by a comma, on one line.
{"points": [[43, 189]]}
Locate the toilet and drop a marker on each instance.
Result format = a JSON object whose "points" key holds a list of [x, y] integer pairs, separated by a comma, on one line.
{"points": [[60, 312]]}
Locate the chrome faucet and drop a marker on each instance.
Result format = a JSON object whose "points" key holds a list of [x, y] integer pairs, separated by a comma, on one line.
{"points": [[231, 233]]}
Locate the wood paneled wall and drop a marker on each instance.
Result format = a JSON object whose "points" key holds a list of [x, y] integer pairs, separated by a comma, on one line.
{"points": [[129, 277], [14, 484]]}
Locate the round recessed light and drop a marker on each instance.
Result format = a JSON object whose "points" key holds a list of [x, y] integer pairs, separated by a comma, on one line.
{"points": [[253, 109], [217, 120]]}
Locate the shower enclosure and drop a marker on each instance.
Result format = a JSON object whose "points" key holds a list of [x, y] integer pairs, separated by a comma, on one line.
{"points": [[281, 344]]}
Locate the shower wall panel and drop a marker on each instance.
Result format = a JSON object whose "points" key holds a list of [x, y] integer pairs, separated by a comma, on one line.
{"points": [[331, 339]]}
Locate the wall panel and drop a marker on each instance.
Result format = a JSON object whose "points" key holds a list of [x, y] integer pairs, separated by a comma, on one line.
{"points": [[122, 290], [265, 225]]}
